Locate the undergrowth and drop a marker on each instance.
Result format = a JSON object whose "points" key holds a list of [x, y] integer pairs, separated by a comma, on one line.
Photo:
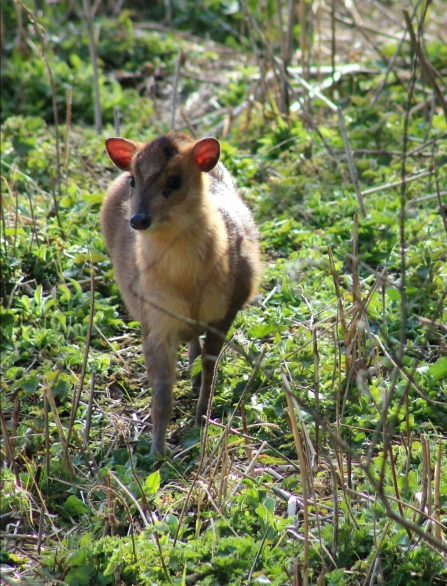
{"points": [[332, 470]]}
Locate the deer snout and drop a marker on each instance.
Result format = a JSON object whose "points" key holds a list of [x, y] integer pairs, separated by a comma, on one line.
{"points": [[140, 221]]}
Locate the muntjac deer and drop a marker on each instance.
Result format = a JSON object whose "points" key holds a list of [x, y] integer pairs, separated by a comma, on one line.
{"points": [[186, 256]]}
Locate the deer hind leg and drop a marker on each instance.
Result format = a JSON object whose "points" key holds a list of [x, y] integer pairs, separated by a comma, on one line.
{"points": [[161, 359], [214, 341], [194, 350]]}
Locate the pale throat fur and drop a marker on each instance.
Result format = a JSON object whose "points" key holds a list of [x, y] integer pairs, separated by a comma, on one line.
{"points": [[171, 266]]}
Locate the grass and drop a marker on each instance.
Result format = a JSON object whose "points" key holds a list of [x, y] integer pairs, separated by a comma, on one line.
{"points": [[324, 461]]}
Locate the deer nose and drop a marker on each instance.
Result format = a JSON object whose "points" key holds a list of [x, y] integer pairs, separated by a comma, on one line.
{"points": [[140, 221]]}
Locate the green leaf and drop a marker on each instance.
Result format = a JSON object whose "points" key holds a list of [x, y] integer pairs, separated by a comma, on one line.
{"points": [[48, 304], [65, 293], [30, 383], [25, 303], [196, 367], [269, 504], [61, 318], [76, 285], [393, 294], [38, 295], [263, 514], [61, 388], [172, 523], [80, 576], [6, 317], [81, 257], [438, 370], [93, 198], [152, 483], [74, 506], [77, 558], [262, 330], [86, 540]]}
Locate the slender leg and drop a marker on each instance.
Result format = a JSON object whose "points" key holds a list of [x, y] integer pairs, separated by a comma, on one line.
{"points": [[211, 348], [160, 363], [194, 350]]}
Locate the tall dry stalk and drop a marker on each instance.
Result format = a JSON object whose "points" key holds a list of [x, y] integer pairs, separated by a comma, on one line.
{"points": [[40, 31], [93, 58]]}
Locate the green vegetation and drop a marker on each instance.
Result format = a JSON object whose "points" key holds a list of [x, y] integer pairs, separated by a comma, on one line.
{"points": [[333, 468]]}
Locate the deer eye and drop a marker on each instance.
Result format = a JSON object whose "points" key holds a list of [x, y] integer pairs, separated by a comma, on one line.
{"points": [[132, 182], [174, 182]]}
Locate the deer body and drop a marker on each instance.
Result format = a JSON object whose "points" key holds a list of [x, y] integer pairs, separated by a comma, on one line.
{"points": [[186, 256]]}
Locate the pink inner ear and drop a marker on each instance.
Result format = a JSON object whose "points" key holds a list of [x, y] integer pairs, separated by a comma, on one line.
{"points": [[206, 153], [120, 151]]}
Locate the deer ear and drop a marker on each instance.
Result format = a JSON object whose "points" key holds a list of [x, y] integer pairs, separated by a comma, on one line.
{"points": [[121, 152], [206, 153]]}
